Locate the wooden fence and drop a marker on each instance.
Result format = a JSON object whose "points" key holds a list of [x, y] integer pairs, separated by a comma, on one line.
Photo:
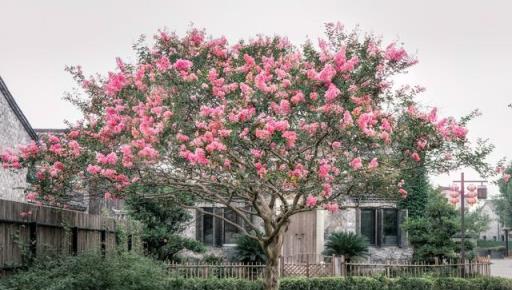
{"points": [[333, 266], [28, 231], [337, 266], [250, 271]]}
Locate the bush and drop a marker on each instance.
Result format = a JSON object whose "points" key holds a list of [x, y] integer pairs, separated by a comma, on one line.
{"points": [[249, 250], [354, 283], [91, 272], [346, 243]]}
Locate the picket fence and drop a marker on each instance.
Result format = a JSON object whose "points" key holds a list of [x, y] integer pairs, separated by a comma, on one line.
{"points": [[333, 266]]}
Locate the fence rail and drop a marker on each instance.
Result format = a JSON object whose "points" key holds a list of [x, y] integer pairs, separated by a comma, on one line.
{"points": [[251, 271], [332, 266]]}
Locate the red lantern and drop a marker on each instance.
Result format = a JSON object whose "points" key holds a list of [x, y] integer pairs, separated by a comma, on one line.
{"points": [[471, 187], [454, 200], [471, 200], [454, 194], [471, 194]]}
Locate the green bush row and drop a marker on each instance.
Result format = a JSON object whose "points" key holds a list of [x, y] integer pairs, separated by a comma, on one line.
{"points": [[356, 283], [132, 272]]}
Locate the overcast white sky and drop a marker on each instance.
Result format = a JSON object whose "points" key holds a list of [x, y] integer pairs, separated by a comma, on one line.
{"points": [[464, 47]]}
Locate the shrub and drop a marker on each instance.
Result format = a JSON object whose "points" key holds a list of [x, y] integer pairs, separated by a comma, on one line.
{"points": [[346, 243], [351, 283], [90, 272], [249, 250]]}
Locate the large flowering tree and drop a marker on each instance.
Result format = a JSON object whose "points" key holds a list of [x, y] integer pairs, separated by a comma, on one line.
{"points": [[261, 127]]}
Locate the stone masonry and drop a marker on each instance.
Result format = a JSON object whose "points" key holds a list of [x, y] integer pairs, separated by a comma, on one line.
{"points": [[12, 133]]}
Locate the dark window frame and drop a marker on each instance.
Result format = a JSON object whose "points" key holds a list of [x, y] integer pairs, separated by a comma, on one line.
{"points": [[216, 227], [378, 239]]}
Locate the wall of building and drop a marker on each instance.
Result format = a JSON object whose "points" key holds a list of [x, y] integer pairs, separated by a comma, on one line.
{"points": [[495, 228], [12, 133], [346, 220]]}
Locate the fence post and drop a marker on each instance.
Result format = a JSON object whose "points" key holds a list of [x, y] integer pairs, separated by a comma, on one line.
{"points": [[103, 245], [281, 266], [333, 265], [74, 241], [387, 270], [33, 239], [307, 266], [343, 266]]}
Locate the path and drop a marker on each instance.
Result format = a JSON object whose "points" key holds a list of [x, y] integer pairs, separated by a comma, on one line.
{"points": [[501, 268]]}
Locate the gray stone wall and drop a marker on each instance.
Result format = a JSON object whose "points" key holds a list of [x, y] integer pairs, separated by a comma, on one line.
{"points": [[12, 133], [345, 220]]}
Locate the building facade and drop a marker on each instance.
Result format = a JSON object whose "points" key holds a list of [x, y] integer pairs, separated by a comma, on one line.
{"points": [[14, 130]]}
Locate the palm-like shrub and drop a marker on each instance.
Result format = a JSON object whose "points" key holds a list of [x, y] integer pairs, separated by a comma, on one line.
{"points": [[347, 244], [249, 250]]}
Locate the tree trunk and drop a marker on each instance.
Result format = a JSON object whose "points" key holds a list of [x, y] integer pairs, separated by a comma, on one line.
{"points": [[273, 252]]}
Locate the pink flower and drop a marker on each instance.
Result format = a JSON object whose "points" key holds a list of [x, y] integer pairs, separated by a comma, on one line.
{"points": [[107, 196], [356, 163], [421, 143], [403, 192], [326, 189], [395, 54], [291, 138], [332, 207], [163, 64], [415, 156], [297, 98], [373, 164], [506, 177], [256, 153], [263, 134], [183, 65], [336, 145], [327, 73], [311, 201], [31, 196], [148, 152], [347, 119], [93, 169], [331, 93], [260, 169]]}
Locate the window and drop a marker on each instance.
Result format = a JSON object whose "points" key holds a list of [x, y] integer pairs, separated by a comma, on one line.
{"points": [[390, 227], [380, 226], [215, 231], [484, 238], [368, 228]]}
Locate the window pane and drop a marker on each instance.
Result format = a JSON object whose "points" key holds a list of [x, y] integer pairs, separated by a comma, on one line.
{"points": [[231, 232], [368, 225], [208, 227], [390, 231]]}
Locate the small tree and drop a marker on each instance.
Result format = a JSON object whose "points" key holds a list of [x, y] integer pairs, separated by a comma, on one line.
{"points": [[163, 227], [249, 250], [346, 244], [261, 127]]}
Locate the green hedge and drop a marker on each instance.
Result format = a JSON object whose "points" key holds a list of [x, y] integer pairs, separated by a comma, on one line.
{"points": [[356, 283]]}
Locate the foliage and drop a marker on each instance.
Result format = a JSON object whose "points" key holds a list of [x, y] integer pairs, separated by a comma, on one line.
{"points": [[431, 235], [348, 244], [492, 244], [279, 128], [163, 227], [475, 222], [418, 186], [249, 250], [355, 283], [90, 272], [504, 202]]}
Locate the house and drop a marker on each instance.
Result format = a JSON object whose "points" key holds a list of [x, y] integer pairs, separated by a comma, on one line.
{"points": [[14, 130], [494, 230], [378, 219]]}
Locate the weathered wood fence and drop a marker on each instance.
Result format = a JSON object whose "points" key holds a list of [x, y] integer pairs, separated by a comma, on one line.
{"points": [[28, 231], [338, 266], [333, 266], [250, 271]]}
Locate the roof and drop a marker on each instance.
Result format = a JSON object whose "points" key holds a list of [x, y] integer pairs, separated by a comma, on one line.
{"points": [[17, 111]]}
